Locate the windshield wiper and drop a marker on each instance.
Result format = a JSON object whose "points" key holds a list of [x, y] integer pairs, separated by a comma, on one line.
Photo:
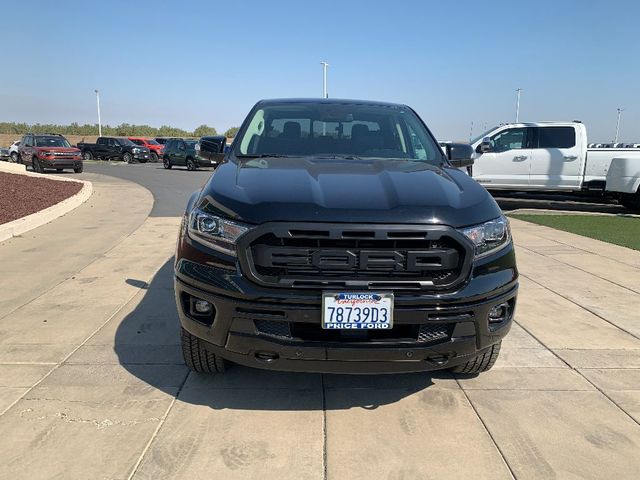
{"points": [[340, 157], [264, 155]]}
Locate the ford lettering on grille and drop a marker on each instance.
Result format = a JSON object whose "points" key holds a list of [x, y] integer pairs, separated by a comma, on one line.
{"points": [[364, 260]]}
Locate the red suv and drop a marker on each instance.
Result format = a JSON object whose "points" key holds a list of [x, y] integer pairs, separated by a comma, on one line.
{"points": [[154, 147], [48, 150]]}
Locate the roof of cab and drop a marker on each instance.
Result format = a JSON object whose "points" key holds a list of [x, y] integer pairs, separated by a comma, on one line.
{"points": [[329, 101]]}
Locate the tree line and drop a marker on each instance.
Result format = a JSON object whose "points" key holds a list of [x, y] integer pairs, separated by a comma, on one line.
{"points": [[122, 130]]}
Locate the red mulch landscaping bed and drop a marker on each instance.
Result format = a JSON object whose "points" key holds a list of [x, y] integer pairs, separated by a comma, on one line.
{"points": [[22, 195]]}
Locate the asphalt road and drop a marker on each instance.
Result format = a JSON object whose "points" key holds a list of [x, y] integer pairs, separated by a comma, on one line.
{"points": [[171, 189]]}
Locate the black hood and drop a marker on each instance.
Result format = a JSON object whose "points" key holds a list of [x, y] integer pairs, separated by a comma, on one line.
{"points": [[339, 190]]}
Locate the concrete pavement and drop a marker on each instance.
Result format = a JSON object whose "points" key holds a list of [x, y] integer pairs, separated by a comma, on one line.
{"points": [[92, 384]]}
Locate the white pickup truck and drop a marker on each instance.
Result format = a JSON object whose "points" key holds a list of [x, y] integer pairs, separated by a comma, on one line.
{"points": [[543, 156]]}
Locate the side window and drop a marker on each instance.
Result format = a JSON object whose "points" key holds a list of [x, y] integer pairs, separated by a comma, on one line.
{"points": [[101, 141], [556, 137], [510, 139], [26, 141]]}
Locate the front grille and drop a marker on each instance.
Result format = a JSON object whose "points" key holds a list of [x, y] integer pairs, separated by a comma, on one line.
{"points": [[334, 256]]}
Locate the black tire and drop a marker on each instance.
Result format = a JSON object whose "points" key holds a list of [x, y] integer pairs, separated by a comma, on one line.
{"points": [[166, 163], [127, 158], [59, 170], [191, 165], [630, 201], [87, 155], [481, 363], [78, 169], [15, 158], [154, 157], [197, 358], [36, 166]]}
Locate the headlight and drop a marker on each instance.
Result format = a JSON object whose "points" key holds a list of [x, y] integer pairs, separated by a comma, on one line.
{"points": [[215, 232], [135, 150], [490, 236], [197, 147]]}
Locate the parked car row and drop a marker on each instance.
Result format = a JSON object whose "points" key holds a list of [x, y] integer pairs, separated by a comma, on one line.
{"points": [[613, 145]]}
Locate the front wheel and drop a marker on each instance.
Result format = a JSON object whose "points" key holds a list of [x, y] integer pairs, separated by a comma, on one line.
{"points": [[191, 165], [154, 157], [481, 363], [87, 155], [166, 163], [36, 165], [78, 169], [197, 358], [126, 158], [15, 158]]}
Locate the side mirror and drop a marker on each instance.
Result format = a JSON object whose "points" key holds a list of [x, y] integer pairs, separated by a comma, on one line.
{"points": [[485, 146], [460, 154]]}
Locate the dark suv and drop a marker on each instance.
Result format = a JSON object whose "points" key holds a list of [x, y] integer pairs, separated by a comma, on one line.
{"points": [[337, 237], [193, 154], [48, 151]]}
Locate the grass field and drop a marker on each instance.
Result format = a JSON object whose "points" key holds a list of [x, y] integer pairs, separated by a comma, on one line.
{"points": [[624, 231]]}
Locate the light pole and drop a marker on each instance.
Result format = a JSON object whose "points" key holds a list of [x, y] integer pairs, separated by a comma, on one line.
{"points": [[324, 79], [620, 110], [99, 121], [518, 90]]}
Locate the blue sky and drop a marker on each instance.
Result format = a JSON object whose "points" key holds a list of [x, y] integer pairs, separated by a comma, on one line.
{"points": [[193, 62]]}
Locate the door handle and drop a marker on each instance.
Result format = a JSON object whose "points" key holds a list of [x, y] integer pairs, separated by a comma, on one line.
{"points": [[519, 158], [570, 157]]}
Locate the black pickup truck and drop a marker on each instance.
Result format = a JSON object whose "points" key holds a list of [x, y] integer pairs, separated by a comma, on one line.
{"points": [[119, 148], [336, 236]]}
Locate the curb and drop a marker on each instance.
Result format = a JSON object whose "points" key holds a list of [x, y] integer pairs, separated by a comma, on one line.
{"points": [[35, 220]]}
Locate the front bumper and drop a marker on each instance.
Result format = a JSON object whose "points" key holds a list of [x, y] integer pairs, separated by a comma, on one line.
{"points": [[61, 163], [204, 162], [235, 332]]}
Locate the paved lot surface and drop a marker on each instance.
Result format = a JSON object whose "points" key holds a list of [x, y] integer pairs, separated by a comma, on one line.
{"points": [[92, 384]]}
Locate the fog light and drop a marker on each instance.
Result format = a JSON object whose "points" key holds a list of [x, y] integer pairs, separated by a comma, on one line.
{"points": [[499, 313], [201, 306]]}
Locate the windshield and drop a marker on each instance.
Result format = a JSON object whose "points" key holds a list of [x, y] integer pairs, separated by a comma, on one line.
{"points": [[482, 135], [124, 141], [51, 142], [152, 142], [137, 141], [337, 130], [190, 143]]}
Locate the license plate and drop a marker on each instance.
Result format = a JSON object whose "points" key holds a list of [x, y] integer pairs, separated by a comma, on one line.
{"points": [[357, 310]]}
